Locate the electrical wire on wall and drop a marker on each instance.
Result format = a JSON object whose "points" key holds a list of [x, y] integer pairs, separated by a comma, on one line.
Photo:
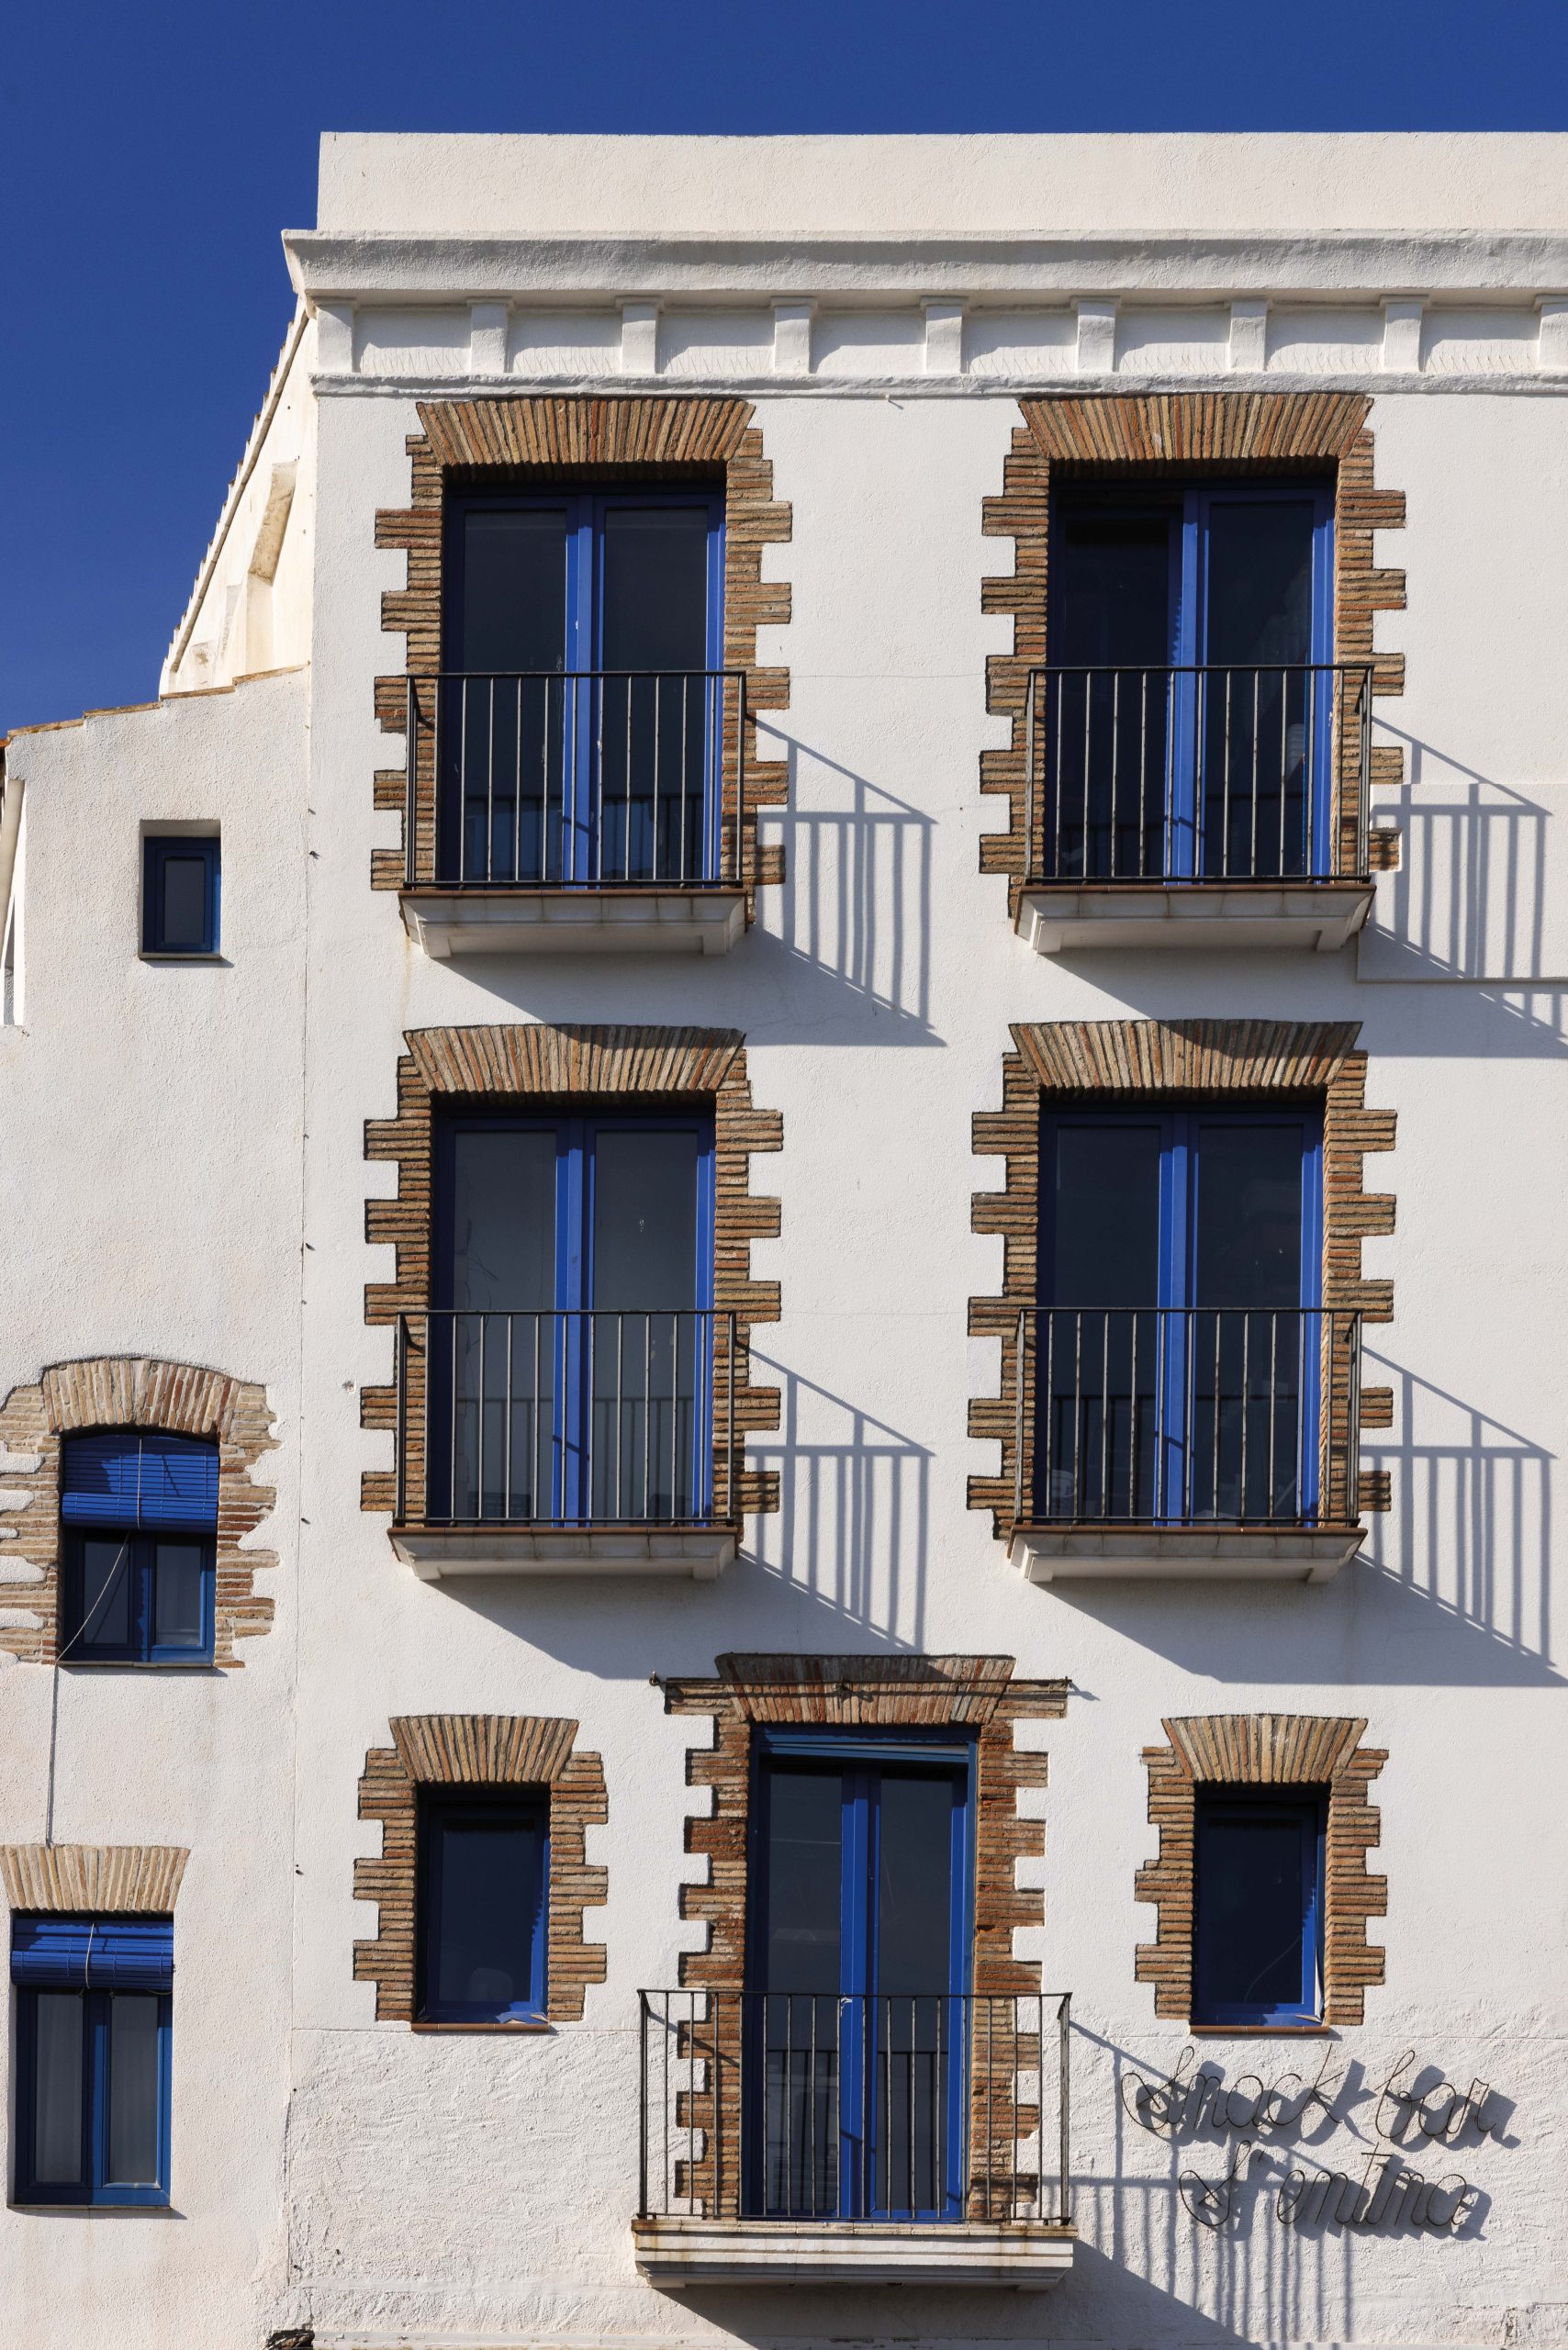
{"points": [[90, 1616]]}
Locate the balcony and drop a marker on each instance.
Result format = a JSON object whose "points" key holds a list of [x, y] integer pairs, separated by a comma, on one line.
{"points": [[571, 811], [1170, 1443], [797, 2138], [593, 1443], [1196, 806]]}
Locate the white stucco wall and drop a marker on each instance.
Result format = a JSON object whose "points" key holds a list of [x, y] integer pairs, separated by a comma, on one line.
{"points": [[477, 2190]]}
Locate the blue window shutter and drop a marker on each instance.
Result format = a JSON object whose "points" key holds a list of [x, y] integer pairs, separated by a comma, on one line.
{"points": [[139, 1478], [52, 1953]]}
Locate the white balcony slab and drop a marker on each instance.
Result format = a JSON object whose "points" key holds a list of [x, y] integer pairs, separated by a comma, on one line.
{"points": [[1325, 916], [438, 1554], [1020, 2255], [1184, 1553], [447, 922]]}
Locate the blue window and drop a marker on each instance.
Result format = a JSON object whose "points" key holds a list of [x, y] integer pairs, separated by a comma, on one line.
{"points": [[857, 2013], [583, 707], [1180, 1337], [139, 1525], [484, 1879], [1258, 1907], [1192, 703], [572, 1348], [179, 893], [93, 2056]]}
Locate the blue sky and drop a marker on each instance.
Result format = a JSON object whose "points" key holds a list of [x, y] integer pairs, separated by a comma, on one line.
{"points": [[151, 155]]}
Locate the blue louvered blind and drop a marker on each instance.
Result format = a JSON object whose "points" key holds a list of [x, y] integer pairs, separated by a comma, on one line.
{"points": [[93, 1954], [139, 1478]]}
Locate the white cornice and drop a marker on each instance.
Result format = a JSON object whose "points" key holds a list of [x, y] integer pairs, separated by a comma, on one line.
{"points": [[375, 267]]}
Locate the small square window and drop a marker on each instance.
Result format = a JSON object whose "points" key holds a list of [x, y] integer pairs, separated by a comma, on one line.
{"points": [[483, 1891], [1257, 1939], [139, 1522], [179, 893]]}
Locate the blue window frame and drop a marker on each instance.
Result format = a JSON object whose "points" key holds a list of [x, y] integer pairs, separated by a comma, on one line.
{"points": [[858, 2015], [180, 893], [571, 1344], [139, 1525], [1191, 709], [93, 2037], [1258, 1907], [1180, 1336], [582, 710], [484, 1900]]}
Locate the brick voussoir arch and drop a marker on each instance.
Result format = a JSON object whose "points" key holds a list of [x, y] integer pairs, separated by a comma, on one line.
{"points": [[542, 1062], [1145, 1060], [1265, 1750], [481, 1751], [523, 438], [1258, 432], [131, 1392]]}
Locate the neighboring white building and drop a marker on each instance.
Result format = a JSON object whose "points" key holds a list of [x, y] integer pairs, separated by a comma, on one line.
{"points": [[814, 1061]]}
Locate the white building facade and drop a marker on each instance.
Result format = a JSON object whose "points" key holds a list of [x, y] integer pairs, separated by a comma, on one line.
{"points": [[783, 1339]]}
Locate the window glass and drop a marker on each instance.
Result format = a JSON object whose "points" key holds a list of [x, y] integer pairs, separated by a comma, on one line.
{"points": [[184, 902], [503, 1219], [58, 2087], [1106, 1241], [133, 2089], [108, 1578], [485, 1875], [177, 1592], [801, 1940], [1260, 580], [1114, 590], [645, 1219], [655, 608], [914, 1888], [1248, 1220], [513, 590], [1255, 1895]]}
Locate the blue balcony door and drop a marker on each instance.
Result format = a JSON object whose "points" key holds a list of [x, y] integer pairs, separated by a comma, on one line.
{"points": [[1187, 733], [857, 2021], [571, 1350], [1180, 1337], [580, 718]]}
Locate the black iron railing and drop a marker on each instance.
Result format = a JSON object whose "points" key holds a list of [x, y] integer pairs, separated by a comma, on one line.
{"points": [[1192, 773], [1187, 1415], [597, 1418], [791, 2105], [599, 779]]}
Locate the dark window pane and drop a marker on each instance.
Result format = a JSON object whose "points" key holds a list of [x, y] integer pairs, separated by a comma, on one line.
{"points": [[655, 587], [1248, 1217], [490, 1878], [514, 592], [1114, 590], [503, 1220], [804, 1864], [107, 1576], [645, 1220], [56, 2105], [915, 1883], [185, 903], [177, 1587], [1107, 1217], [1260, 581], [134, 2091], [1251, 1909]]}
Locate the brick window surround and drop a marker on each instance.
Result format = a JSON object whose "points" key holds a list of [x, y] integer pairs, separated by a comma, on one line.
{"points": [[480, 1751], [1265, 1750], [133, 1392], [525, 442], [873, 1693], [1146, 1061], [536, 1064], [1176, 434], [98, 1880]]}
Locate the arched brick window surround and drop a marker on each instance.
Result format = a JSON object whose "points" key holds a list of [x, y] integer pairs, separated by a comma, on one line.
{"points": [[525, 441], [128, 1392], [1175, 433], [96, 1880], [1142, 1060], [480, 1751], [540, 1063], [1265, 1750]]}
